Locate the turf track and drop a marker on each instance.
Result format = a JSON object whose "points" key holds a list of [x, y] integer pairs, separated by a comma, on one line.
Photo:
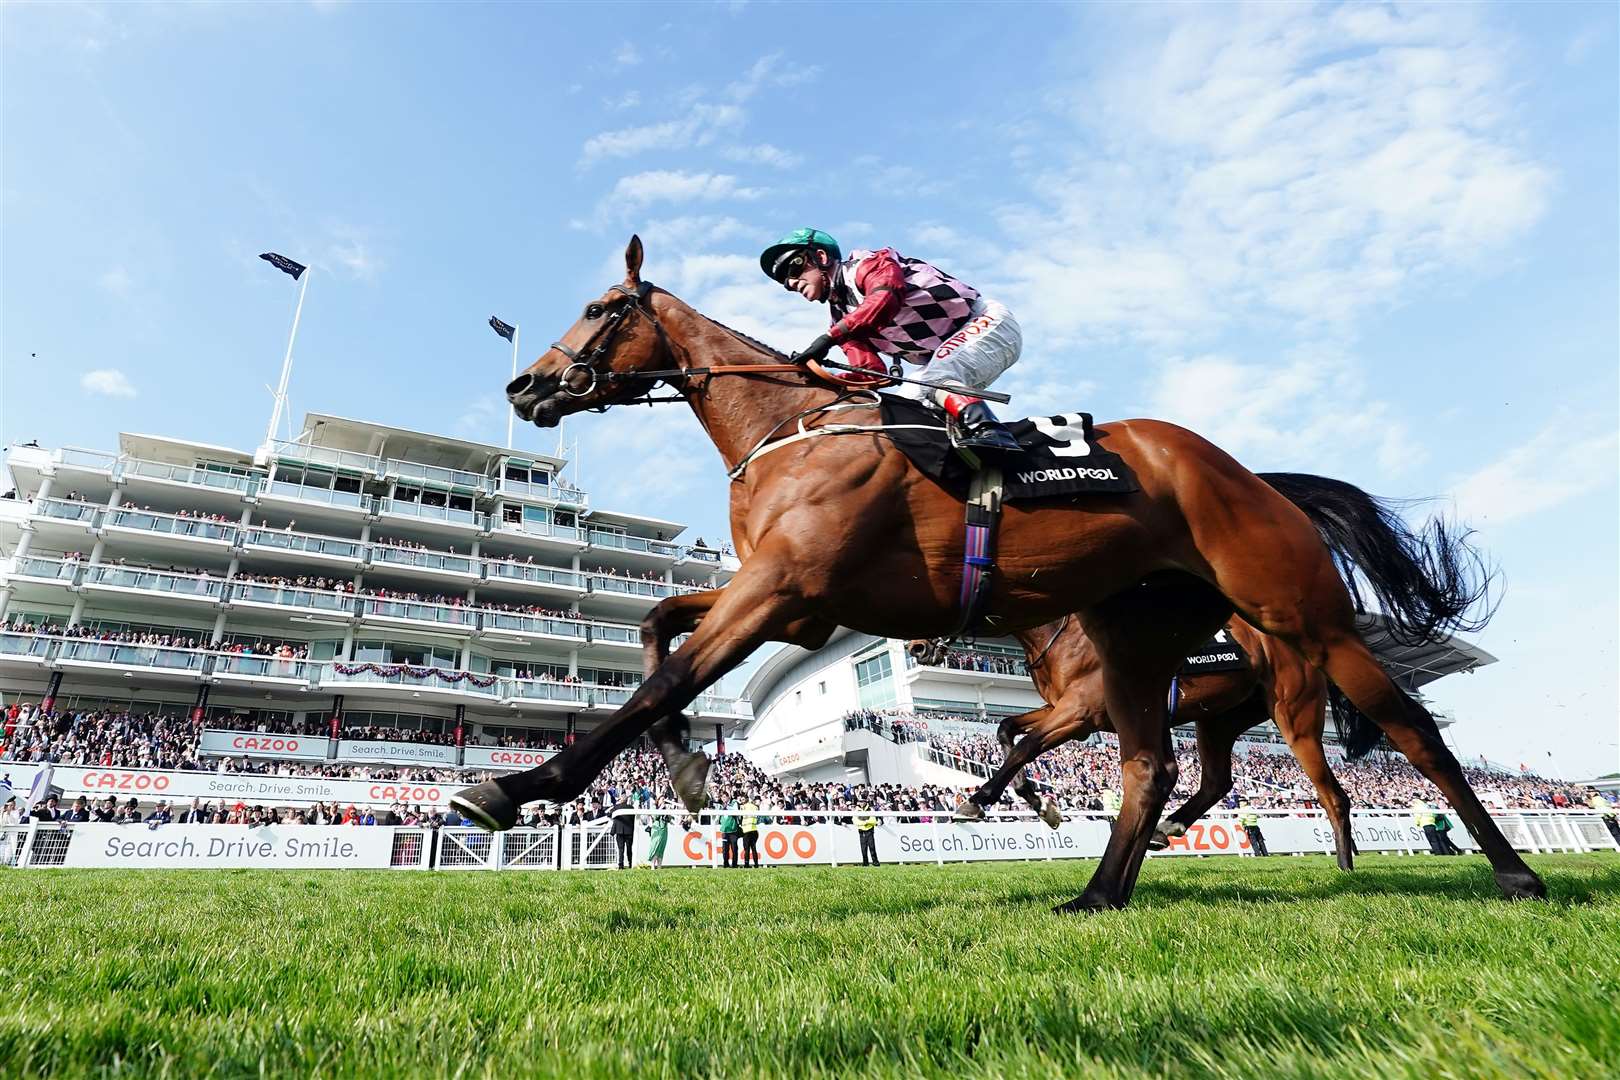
{"points": [[1222, 967]]}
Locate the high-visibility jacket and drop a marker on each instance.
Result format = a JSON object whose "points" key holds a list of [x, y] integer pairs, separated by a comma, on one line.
{"points": [[750, 817], [1110, 801], [1599, 803], [1421, 813], [1249, 819], [867, 823]]}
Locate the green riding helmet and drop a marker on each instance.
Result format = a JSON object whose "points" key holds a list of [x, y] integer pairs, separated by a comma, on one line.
{"points": [[775, 258]]}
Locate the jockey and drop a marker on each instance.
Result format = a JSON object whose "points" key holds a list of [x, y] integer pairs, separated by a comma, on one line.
{"points": [[884, 302]]}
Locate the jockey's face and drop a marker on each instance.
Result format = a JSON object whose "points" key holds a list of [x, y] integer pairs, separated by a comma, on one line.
{"points": [[811, 278]]}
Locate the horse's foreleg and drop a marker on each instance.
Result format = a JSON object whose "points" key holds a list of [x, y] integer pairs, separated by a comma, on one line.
{"points": [[753, 609], [688, 769], [1141, 640], [1216, 736], [1012, 766]]}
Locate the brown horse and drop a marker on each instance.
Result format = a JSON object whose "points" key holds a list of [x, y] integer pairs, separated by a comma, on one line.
{"points": [[1276, 684], [844, 530]]}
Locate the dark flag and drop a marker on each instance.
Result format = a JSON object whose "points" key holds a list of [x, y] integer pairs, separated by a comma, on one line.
{"points": [[284, 264], [501, 328]]}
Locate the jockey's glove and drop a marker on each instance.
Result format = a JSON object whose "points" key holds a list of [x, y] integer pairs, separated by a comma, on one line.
{"points": [[816, 350]]}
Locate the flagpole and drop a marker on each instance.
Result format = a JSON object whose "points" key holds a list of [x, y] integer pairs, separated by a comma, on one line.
{"points": [[512, 409], [286, 364]]}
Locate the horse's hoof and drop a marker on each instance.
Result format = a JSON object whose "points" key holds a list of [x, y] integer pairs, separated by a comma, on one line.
{"points": [[690, 781], [486, 806], [968, 810], [1159, 841], [1522, 886], [1086, 904], [1051, 813]]}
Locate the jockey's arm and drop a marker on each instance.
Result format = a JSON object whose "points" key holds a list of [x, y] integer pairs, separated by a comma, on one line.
{"points": [[881, 282], [861, 355]]}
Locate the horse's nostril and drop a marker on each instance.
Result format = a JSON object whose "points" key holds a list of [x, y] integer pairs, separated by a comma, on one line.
{"points": [[520, 385]]}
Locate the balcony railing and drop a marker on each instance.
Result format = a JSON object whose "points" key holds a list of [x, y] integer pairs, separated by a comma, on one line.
{"points": [[198, 586], [532, 573], [435, 474], [449, 514], [325, 455], [623, 586], [401, 676], [188, 474], [417, 611], [148, 656], [62, 570], [615, 635], [264, 667], [70, 510], [640, 544], [543, 528], [519, 623], [170, 524], [561, 494], [426, 560], [25, 645], [545, 690], [326, 600], [99, 460], [309, 493], [304, 542]]}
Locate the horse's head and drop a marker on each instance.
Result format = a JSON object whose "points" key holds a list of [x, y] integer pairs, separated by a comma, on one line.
{"points": [[928, 651], [593, 365]]}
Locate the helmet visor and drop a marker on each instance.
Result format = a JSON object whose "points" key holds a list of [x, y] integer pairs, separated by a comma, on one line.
{"points": [[790, 265]]}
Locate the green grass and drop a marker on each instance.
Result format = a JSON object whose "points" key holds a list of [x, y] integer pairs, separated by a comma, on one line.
{"points": [[1222, 968]]}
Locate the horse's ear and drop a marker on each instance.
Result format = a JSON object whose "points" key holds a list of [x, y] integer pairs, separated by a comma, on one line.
{"points": [[632, 261]]}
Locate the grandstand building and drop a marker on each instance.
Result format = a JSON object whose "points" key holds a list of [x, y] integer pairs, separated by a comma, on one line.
{"points": [[802, 703], [359, 576]]}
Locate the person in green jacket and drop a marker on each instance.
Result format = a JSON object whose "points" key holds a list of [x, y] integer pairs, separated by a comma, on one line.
{"points": [[730, 833], [657, 837]]}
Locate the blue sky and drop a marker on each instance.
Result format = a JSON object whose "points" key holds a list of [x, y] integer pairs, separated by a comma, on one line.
{"points": [[1375, 243]]}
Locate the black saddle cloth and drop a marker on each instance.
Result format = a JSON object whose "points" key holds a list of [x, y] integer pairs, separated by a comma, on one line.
{"points": [[1062, 454], [1220, 653]]}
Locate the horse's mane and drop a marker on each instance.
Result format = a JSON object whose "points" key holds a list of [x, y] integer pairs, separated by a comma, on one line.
{"points": [[738, 334]]}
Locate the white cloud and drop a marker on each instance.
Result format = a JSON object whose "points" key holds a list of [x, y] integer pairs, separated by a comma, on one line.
{"points": [[1313, 407], [350, 250], [769, 70], [626, 55], [107, 381], [762, 154], [1552, 467], [484, 418], [1279, 160], [674, 185], [699, 127], [627, 100], [117, 281]]}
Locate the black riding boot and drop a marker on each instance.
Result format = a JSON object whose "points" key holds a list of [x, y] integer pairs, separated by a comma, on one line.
{"points": [[982, 431]]}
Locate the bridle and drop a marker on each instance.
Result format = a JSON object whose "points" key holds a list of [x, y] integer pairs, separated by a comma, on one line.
{"points": [[590, 358]]}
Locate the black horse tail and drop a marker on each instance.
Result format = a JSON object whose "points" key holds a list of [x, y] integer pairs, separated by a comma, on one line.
{"points": [[1357, 733], [1426, 583]]}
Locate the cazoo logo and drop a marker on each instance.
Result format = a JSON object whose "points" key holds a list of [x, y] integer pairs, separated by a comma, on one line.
{"points": [[774, 843]]}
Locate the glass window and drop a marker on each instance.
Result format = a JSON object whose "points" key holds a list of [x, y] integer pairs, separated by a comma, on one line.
{"points": [[874, 683]]}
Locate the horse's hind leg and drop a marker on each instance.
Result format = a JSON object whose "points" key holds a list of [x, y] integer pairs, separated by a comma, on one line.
{"points": [[1216, 737], [1280, 576], [1300, 713]]}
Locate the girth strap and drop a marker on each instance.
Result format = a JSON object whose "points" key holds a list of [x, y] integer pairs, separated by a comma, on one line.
{"points": [[979, 553]]}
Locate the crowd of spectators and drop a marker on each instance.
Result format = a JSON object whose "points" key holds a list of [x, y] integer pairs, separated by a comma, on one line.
{"points": [[991, 663], [269, 649]]}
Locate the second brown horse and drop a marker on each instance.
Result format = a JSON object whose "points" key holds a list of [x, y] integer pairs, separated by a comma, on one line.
{"points": [[1276, 684]]}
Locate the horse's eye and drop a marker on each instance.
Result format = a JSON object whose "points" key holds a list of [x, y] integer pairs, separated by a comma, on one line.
{"points": [[594, 311]]}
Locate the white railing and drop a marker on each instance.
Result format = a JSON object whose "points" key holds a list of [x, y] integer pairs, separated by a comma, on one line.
{"points": [[612, 634], [422, 559], [352, 500], [326, 455], [307, 543], [188, 474], [792, 837], [323, 600], [32, 566], [372, 607], [264, 667], [71, 510], [151, 521], [637, 587], [145, 656], [447, 514], [16, 645], [533, 573], [189, 586], [624, 542], [435, 474], [99, 460], [556, 493], [548, 530], [520, 623], [558, 693]]}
